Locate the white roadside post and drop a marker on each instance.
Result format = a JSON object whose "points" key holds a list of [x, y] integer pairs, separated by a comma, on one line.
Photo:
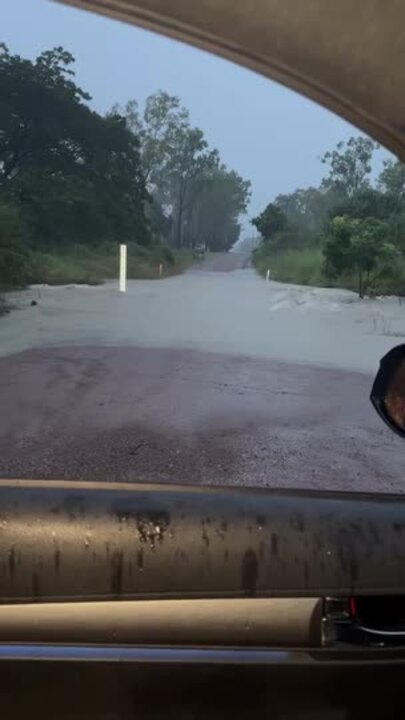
{"points": [[123, 268], [268, 275]]}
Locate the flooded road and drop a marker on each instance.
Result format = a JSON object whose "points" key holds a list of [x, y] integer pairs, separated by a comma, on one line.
{"points": [[233, 312], [214, 376]]}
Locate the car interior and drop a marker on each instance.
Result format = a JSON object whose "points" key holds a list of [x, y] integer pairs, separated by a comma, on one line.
{"points": [[134, 600]]}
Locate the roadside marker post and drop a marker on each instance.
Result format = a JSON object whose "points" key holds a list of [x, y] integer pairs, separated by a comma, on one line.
{"points": [[160, 269], [268, 275], [123, 268]]}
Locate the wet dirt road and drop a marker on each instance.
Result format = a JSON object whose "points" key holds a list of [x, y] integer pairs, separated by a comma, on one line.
{"points": [[155, 386], [181, 416]]}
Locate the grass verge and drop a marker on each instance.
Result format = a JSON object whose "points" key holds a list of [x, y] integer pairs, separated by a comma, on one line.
{"points": [[84, 266], [301, 267], [305, 267]]}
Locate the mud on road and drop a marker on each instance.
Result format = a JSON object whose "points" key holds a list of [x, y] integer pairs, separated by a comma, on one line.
{"points": [[155, 415]]}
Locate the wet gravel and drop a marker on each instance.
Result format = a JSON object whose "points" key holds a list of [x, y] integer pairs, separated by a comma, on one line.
{"points": [[155, 415]]}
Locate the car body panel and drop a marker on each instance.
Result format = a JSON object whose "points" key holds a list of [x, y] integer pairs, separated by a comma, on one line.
{"points": [[347, 56], [100, 541]]}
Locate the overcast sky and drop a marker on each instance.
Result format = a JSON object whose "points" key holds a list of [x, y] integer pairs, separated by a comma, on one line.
{"points": [[270, 135]]}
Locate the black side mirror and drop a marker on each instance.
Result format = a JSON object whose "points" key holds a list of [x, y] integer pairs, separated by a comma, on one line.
{"points": [[388, 392]]}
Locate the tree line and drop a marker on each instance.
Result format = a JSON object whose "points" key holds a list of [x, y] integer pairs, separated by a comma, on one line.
{"points": [[70, 176], [354, 225], [195, 199]]}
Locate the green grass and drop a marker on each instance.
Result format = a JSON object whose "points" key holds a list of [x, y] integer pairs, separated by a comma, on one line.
{"points": [[305, 267], [92, 267], [301, 267]]}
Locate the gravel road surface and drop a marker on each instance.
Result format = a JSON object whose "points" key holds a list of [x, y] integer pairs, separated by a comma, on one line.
{"points": [[211, 377]]}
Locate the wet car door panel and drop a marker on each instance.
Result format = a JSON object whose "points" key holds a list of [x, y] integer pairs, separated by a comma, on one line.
{"points": [[112, 564]]}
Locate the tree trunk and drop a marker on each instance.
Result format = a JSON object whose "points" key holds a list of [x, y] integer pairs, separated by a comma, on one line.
{"points": [[179, 223], [366, 284], [361, 291], [179, 227]]}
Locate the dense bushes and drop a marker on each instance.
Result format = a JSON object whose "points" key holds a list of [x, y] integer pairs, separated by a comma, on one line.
{"points": [[68, 176], [15, 257], [303, 267], [75, 184], [346, 232], [94, 266]]}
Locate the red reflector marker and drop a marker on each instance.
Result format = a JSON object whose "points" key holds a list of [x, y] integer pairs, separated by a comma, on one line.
{"points": [[352, 606]]}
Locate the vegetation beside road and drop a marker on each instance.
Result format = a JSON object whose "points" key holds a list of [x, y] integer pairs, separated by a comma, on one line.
{"points": [[74, 184], [81, 265], [307, 267], [4, 307], [301, 267], [348, 232]]}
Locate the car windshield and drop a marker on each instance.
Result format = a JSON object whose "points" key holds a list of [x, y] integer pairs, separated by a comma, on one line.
{"points": [[199, 269]]}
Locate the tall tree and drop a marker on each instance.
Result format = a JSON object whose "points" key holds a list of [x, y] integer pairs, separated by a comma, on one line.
{"points": [[190, 161], [349, 166], [307, 212], [391, 180], [74, 175], [391, 187], [42, 113], [213, 219], [270, 222], [359, 246], [180, 169]]}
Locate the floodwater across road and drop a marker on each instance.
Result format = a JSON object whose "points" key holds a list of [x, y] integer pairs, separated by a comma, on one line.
{"points": [[212, 376], [233, 312]]}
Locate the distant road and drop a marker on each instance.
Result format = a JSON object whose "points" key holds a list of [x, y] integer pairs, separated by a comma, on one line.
{"points": [[224, 262], [211, 377]]}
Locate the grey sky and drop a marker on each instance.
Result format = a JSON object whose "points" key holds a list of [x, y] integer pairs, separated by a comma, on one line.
{"points": [[267, 133]]}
